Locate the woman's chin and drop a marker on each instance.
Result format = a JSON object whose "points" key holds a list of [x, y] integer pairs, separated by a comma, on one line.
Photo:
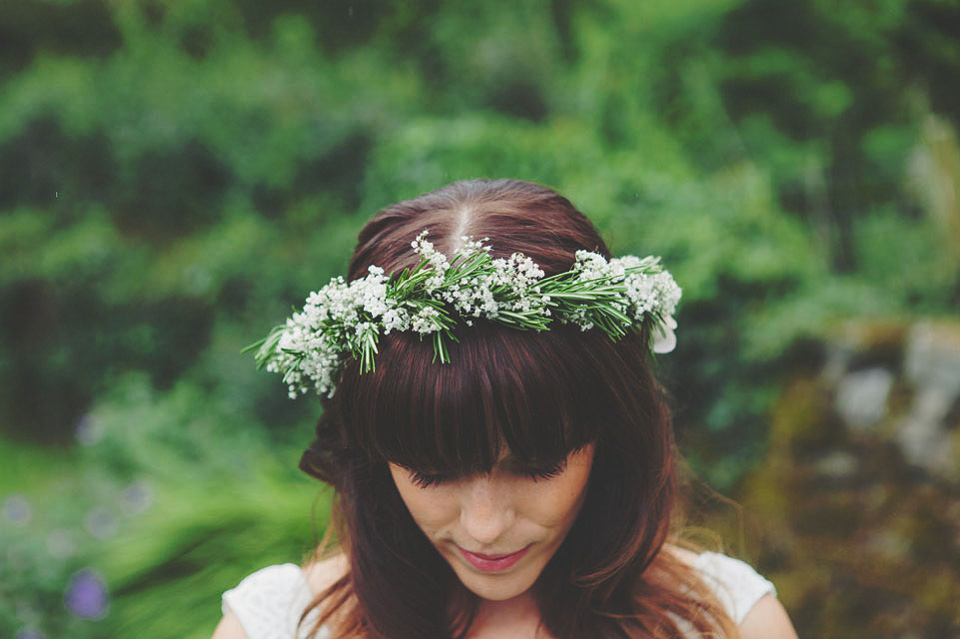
{"points": [[496, 586]]}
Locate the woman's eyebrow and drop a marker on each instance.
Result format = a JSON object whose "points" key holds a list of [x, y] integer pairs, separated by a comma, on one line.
{"points": [[509, 462], [512, 461]]}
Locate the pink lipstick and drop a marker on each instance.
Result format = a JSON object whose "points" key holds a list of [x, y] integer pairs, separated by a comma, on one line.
{"points": [[493, 563]]}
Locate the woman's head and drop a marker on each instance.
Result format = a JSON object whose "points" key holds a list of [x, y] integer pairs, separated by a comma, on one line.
{"points": [[509, 402]]}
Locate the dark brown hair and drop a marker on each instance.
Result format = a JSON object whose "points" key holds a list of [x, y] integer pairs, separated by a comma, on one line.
{"points": [[542, 395]]}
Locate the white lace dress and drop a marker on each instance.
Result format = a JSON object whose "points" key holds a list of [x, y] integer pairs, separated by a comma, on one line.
{"points": [[269, 602]]}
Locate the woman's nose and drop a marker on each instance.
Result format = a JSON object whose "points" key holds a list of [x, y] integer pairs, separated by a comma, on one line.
{"points": [[486, 509]]}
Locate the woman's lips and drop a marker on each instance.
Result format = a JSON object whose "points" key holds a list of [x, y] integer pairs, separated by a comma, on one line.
{"points": [[493, 563]]}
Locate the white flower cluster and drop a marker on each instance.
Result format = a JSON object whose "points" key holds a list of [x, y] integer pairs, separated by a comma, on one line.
{"points": [[315, 341], [346, 319], [436, 260], [508, 285], [647, 290]]}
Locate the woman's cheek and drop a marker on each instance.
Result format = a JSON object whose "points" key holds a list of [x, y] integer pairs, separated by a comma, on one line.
{"points": [[431, 508]]}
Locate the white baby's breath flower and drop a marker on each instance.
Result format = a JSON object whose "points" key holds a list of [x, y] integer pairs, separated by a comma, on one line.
{"points": [[425, 321], [395, 320]]}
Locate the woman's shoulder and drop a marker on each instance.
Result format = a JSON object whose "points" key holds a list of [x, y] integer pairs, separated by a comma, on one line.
{"points": [[324, 572], [747, 596], [268, 603], [736, 584]]}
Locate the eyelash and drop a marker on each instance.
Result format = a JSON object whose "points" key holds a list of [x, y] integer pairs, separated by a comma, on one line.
{"points": [[426, 480]]}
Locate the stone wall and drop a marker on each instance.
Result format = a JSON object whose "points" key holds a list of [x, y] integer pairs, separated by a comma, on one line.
{"points": [[855, 512]]}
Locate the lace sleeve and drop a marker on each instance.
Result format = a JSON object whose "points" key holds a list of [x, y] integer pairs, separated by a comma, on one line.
{"points": [[737, 585], [269, 603]]}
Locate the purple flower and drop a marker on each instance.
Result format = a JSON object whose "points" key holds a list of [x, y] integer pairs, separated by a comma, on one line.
{"points": [[88, 431], [86, 596], [29, 634], [17, 510], [138, 496]]}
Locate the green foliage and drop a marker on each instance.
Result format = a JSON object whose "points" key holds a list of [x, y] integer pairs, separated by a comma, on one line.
{"points": [[165, 502], [174, 175]]}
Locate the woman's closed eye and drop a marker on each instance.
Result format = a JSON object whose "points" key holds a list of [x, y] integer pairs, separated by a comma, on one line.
{"points": [[426, 480]]}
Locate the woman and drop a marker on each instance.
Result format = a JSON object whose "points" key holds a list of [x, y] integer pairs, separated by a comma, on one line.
{"points": [[502, 456]]}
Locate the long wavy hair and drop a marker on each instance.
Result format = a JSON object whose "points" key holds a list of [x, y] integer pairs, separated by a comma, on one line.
{"points": [[542, 395]]}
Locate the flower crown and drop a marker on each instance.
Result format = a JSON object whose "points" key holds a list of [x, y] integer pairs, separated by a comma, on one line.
{"points": [[344, 320]]}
